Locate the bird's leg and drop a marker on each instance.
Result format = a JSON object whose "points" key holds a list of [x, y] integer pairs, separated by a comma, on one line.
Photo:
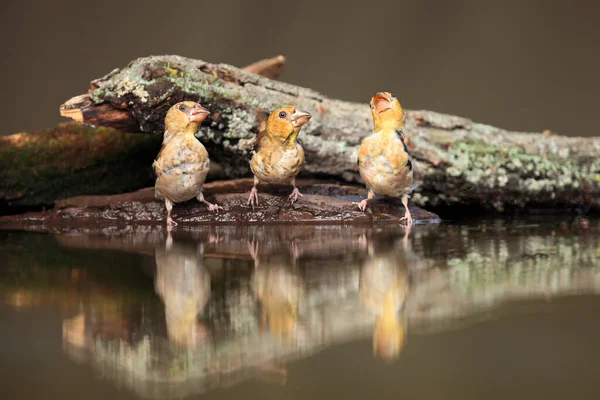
{"points": [[405, 239], [365, 202], [295, 193], [211, 206], [200, 250], [407, 217], [214, 238], [363, 242], [169, 206], [253, 249], [296, 253], [253, 199], [169, 241]]}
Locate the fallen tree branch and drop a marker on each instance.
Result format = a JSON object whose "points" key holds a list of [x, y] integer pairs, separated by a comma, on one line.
{"points": [[37, 168], [459, 161]]}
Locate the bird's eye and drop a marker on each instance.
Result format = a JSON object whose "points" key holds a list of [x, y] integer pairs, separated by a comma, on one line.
{"points": [[282, 114], [182, 107], [392, 96]]}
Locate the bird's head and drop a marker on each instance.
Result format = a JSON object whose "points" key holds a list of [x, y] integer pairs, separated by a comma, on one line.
{"points": [[387, 112], [185, 117], [285, 123]]}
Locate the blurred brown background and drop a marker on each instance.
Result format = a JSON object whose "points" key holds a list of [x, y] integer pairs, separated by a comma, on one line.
{"points": [[528, 65]]}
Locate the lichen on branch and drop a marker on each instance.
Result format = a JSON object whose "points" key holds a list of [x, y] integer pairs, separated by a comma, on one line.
{"points": [[459, 162]]}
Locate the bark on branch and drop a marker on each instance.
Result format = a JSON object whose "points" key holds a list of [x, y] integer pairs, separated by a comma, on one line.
{"points": [[460, 162]]}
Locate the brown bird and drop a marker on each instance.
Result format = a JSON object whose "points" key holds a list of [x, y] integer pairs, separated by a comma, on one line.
{"points": [[383, 160], [384, 286], [278, 157], [182, 163], [279, 288], [183, 284]]}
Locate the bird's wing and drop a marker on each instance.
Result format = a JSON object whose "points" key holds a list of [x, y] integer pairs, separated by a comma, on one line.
{"points": [[401, 136], [156, 164], [262, 117], [258, 141]]}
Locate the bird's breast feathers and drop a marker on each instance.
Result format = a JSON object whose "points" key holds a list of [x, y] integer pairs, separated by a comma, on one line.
{"points": [[182, 157], [181, 168], [277, 165], [384, 164]]}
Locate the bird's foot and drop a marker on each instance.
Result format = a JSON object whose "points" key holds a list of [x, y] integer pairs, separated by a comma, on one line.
{"points": [[214, 238], [363, 204], [405, 238], [170, 222], [253, 199], [408, 220], [212, 207], [296, 252], [295, 194]]}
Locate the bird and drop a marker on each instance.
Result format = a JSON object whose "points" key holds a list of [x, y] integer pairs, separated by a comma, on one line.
{"points": [[182, 282], [384, 163], [279, 288], [182, 163], [384, 284], [278, 157]]}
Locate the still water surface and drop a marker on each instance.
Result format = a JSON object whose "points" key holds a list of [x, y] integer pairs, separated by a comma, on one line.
{"points": [[482, 310]]}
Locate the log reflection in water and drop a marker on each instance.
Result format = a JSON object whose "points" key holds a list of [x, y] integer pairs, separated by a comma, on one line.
{"points": [[294, 291]]}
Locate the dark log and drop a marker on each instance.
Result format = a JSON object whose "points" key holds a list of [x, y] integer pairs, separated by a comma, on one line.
{"points": [[72, 159], [460, 162], [322, 204]]}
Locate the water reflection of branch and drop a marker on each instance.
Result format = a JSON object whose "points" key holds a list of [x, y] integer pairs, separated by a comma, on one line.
{"points": [[371, 284]]}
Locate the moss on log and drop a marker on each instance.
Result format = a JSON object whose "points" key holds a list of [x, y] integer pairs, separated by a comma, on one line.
{"points": [[72, 159], [460, 162]]}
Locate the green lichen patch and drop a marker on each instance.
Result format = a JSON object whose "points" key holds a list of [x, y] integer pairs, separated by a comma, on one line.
{"points": [[480, 167]]}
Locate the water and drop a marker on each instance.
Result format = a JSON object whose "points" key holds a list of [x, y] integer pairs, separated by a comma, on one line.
{"points": [[481, 310]]}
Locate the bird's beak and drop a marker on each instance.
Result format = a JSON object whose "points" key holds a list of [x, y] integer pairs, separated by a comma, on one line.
{"points": [[198, 113], [382, 102], [300, 117]]}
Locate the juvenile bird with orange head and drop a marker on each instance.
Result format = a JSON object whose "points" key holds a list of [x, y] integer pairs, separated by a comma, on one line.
{"points": [[278, 157], [383, 160], [182, 163]]}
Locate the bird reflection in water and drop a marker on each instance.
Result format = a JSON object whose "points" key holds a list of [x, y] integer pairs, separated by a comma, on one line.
{"points": [[383, 287], [183, 284], [278, 287]]}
